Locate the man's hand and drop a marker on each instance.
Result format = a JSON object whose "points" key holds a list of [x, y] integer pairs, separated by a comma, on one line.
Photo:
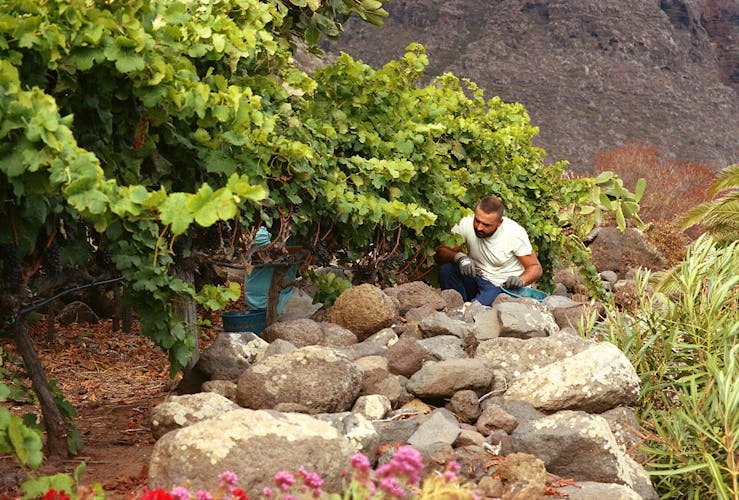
{"points": [[514, 282], [466, 265]]}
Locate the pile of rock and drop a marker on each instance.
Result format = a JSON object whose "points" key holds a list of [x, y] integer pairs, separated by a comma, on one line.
{"points": [[511, 392]]}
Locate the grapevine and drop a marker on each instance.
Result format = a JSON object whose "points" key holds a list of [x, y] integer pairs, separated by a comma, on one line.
{"points": [[146, 130]]}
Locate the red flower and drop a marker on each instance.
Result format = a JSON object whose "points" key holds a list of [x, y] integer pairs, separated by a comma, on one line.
{"points": [[55, 495], [239, 494], [157, 494]]}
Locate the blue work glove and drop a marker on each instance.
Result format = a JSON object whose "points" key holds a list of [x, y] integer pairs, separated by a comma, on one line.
{"points": [[514, 282], [466, 265]]}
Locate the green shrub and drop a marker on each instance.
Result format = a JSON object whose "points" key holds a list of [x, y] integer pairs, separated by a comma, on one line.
{"points": [[682, 340]]}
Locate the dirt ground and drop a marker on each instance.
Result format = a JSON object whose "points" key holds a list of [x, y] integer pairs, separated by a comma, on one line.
{"points": [[112, 379]]}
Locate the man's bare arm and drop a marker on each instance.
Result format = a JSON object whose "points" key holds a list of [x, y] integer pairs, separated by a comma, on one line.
{"points": [[532, 270], [446, 254]]}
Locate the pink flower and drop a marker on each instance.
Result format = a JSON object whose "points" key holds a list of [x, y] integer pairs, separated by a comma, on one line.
{"points": [[407, 463], [180, 493], [203, 495], [451, 471], [360, 462], [392, 487], [227, 479], [267, 491], [284, 480], [310, 479]]}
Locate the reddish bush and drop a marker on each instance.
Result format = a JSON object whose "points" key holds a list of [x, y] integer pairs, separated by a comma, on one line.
{"points": [[673, 186]]}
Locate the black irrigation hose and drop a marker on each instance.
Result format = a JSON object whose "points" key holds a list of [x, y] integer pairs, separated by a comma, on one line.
{"points": [[43, 302]]}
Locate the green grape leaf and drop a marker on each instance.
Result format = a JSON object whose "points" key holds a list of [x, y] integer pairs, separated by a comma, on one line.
{"points": [[174, 212]]}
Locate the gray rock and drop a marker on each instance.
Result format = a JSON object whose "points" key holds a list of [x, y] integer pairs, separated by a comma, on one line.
{"points": [[517, 356], [464, 404], [439, 428], [525, 320], [453, 299], [392, 432], [231, 354], [442, 379], [225, 388], [417, 314], [588, 490], [176, 412], [468, 437], [279, 346], [579, 445], [315, 377], [440, 324], [416, 294], [384, 338], [626, 429], [372, 406], [594, 380], [358, 430], [444, 347], [487, 324], [495, 418], [237, 440], [305, 332], [406, 356]]}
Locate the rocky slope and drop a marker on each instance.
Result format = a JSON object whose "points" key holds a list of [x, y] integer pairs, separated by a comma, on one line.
{"points": [[592, 74]]}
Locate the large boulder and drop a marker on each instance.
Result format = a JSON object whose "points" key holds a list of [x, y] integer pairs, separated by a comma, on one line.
{"points": [[416, 294], [176, 412], [314, 379], [364, 310], [231, 354], [253, 444], [581, 446], [441, 379], [517, 356], [597, 379], [304, 332]]}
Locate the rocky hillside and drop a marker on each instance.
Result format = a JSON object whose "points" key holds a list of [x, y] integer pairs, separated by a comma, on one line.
{"points": [[592, 74]]}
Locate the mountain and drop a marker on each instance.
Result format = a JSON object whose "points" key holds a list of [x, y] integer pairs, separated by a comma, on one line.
{"points": [[593, 74]]}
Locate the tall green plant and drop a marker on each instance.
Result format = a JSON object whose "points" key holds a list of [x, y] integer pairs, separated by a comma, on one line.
{"points": [[683, 341], [720, 216]]}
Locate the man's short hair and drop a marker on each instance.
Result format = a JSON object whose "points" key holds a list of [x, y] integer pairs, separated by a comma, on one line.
{"points": [[491, 205]]}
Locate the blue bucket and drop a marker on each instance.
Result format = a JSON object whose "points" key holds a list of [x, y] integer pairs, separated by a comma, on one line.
{"points": [[525, 291], [244, 321]]}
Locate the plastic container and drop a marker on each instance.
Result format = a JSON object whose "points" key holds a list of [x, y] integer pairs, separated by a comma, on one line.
{"points": [[532, 293], [244, 321]]}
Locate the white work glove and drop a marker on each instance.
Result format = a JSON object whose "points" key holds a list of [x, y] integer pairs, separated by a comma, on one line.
{"points": [[514, 282], [466, 265]]}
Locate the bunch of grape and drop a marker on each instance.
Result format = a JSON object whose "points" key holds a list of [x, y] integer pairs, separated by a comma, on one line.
{"points": [[321, 254], [54, 259]]}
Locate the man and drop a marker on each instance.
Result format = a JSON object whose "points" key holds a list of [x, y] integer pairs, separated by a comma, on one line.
{"points": [[500, 254]]}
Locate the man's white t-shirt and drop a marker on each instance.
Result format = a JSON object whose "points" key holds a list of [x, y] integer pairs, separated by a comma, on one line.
{"points": [[496, 255]]}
